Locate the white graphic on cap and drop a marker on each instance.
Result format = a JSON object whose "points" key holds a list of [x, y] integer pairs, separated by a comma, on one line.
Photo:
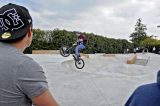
{"points": [[29, 20], [10, 20]]}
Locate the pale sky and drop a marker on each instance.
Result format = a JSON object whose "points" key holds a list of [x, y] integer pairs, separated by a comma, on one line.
{"points": [[110, 18]]}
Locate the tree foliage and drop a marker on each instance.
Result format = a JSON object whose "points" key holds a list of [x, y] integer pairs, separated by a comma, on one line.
{"points": [[54, 39], [150, 42], [139, 33]]}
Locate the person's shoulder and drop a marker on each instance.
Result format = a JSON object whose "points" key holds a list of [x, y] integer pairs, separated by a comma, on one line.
{"points": [[148, 85], [148, 88], [28, 60], [29, 66], [24, 60], [145, 95], [22, 57]]}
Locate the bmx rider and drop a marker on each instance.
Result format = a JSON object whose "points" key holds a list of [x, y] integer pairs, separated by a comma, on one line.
{"points": [[80, 44]]}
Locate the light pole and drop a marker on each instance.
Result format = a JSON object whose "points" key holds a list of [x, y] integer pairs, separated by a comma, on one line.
{"points": [[158, 26], [155, 37]]}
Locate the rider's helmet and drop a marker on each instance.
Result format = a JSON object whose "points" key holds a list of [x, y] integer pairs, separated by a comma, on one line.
{"points": [[78, 33]]}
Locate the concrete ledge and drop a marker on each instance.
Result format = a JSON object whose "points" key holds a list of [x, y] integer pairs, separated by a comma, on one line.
{"points": [[45, 51], [84, 55], [132, 59], [108, 55]]}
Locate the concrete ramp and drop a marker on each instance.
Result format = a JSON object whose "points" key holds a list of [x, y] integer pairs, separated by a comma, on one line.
{"points": [[142, 61], [108, 66], [91, 64], [104, 81]]}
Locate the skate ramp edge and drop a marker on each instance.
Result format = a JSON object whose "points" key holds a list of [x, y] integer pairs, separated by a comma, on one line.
{"points": [[108, 66], [70, 64], [84, 55], [108, 55], [45, 51], [132, 59]]}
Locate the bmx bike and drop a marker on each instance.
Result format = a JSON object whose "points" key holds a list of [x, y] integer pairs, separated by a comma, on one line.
{"points": [[65, 51]]}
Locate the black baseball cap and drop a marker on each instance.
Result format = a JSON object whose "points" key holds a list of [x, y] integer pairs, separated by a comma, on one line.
{"points": [[14, 22]]}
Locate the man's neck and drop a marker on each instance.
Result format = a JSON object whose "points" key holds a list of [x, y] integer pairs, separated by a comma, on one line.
{"points": [[20, 46]]}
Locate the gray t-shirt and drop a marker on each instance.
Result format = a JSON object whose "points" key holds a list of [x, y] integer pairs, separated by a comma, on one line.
{"points": [[21, 78]]}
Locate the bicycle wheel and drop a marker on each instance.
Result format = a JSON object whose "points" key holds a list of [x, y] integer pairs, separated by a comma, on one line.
{"points": [[79, 63], [65, 51]]}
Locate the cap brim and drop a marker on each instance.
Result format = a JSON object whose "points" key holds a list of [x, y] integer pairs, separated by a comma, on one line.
{"points": [[14, 34]]}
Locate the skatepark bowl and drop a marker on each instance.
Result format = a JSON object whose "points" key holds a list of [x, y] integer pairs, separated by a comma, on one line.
{"points": [[105, 80]]}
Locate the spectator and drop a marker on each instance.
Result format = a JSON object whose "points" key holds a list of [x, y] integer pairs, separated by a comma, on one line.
{"points": [[146, 95], [23, 82]]}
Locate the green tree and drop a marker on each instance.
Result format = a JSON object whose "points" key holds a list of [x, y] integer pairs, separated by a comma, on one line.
{"points": [[150, 42], [139, 33]]}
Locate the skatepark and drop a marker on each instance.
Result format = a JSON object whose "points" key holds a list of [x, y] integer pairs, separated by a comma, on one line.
{"points": [[105, 80]]}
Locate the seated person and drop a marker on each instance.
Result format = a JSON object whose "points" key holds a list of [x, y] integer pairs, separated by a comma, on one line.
{"points": [[146, 95]]}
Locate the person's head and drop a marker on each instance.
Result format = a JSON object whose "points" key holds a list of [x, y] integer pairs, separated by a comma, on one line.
{"points": [[15, 24]]}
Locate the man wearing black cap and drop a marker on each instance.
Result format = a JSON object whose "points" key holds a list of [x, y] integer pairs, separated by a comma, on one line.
{"points": [[22, 80]]}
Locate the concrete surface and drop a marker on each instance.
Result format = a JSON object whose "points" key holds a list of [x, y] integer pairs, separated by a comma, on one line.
{"points": [[104, 81]]}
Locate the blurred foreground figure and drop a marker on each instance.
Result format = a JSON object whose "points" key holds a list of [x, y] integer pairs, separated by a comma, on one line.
{"points": [[23, 82]]}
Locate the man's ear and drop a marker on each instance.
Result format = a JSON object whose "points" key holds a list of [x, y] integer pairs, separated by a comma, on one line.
{"points": [[30, 32]]}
